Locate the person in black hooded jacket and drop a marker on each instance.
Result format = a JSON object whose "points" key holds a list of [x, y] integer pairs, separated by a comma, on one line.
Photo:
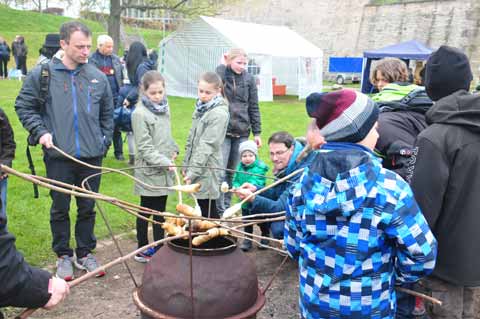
{"points": [[21, 284], [240, 90], [446, 183], [402, 115]]}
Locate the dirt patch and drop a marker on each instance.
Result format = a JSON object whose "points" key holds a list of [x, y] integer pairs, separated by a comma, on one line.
{"points": [[111, 296]]}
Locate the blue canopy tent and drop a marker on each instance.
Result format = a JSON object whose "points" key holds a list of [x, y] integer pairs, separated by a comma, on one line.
{"points": [[410, 50]]}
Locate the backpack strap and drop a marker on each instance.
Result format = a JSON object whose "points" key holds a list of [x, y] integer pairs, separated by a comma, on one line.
{"points": [[44, 85], [42, 99]]}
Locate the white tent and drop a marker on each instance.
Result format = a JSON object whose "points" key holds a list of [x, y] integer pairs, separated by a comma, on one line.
{"points": [[273, 51]]}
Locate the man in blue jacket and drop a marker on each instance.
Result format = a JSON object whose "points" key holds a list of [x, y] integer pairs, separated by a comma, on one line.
{"points": [[77, 117], [285, 155]]}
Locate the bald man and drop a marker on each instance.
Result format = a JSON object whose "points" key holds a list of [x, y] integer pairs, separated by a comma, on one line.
{"points": [[107, 62]]}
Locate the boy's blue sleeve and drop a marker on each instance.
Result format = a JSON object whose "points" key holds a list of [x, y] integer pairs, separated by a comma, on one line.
{"points": [[293, 234], [416, 245]]}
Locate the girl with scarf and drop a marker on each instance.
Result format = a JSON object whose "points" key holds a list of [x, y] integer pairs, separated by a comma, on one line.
{"points": [[203, 149], [156, 151]]}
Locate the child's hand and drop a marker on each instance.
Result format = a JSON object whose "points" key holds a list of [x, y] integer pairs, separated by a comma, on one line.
{"points": [[258, 140], [223, 59], [242, 193], [252, 188], [187, 180]]}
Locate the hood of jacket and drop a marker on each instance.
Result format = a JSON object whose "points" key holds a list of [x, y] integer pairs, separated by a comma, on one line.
{"points": [[460, 108], [342, 175]]}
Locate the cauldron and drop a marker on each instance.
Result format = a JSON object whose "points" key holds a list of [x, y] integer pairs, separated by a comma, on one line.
{"points": [[224, 284]]}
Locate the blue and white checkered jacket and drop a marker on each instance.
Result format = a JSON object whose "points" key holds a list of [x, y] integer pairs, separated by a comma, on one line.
{"points": [[355, 229]]}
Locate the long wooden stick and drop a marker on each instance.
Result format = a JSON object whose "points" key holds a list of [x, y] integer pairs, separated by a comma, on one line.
{"points": [[229, 212], [28, 312], [419, 294]]}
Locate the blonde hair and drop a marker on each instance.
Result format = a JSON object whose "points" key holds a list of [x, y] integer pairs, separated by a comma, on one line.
{"points": [[393, 70], [235, 52]]}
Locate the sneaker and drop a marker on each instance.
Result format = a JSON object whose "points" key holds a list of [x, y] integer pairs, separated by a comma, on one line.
{"points": [[145, 256], [246, 245], [89, 263], [119, 157], [263, 243], [65, 268]]}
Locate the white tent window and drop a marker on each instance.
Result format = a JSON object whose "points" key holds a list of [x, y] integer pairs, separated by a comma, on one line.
{"points": [[278, 52]]}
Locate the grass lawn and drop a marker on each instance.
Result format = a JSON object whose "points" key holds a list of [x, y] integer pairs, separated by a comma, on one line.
{"points": [[28, 218], [34, 26]]}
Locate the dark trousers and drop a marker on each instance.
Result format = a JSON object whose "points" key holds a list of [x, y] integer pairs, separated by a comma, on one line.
{"points": [[154, 202], [208, 207], [264, 227], [231, 157], [117, 141], [69, 172], [3, 67], [22, 64]]}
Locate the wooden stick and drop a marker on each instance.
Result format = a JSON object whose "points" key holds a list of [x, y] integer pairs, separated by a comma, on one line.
{"points": [[28, 312], [229, 212], [419, 294], [177, 176]]}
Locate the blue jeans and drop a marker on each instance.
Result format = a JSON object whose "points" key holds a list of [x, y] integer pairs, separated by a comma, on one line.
{"points": [[277, 229], [3, 197], [231, 157]]}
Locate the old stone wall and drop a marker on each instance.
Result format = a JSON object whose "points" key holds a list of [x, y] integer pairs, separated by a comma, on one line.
{"points": [[348, 27]]}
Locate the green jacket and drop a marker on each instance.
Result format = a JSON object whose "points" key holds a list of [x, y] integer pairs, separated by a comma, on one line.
{"points": [[154, 146], [394, 92], [257, 167], [204, 149]]}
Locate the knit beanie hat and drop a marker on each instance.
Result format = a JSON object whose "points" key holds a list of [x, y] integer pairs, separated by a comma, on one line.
{"points": [[52, 40], [447, 71], [250, 146], [342, 116]]}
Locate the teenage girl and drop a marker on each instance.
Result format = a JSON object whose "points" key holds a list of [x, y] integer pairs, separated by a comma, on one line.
{"points": [[155, 149], [203, 149]]}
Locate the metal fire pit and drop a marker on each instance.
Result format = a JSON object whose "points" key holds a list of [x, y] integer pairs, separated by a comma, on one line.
{"points": [[224, 285]]}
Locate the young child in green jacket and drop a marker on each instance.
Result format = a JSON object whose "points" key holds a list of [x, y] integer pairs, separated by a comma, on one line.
{"points": [[251, 164]]}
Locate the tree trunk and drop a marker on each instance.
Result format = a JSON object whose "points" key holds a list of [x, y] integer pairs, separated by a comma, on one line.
{"points": [[114, 21]]}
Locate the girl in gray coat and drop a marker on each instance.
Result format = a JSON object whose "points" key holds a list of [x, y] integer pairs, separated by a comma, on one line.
{"points": [[203, 149], [156, 150]]}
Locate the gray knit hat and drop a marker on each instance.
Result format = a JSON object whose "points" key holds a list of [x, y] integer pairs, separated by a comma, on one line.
{"points": [[250, 146]]}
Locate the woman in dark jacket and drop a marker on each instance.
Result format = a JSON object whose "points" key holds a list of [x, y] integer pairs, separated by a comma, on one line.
{"points": [[241, 92], [138, 63]]}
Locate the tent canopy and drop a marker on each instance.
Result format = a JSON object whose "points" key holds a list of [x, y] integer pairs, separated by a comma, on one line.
{"points": [[281, 60], [264, 39], [409, 50]]}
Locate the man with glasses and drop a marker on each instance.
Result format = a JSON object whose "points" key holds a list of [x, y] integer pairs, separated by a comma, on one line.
{"points": [[285, 153], [76, 115]]}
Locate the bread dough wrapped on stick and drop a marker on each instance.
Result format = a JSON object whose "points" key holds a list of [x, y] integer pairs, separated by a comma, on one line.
{"points": [[202, 225], [175, 221], [188, 210], [191, 188], [172, 229], [211, 233]]}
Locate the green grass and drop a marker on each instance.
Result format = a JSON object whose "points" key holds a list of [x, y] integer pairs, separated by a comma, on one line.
{"points": [[34, 26], [28, 218]]}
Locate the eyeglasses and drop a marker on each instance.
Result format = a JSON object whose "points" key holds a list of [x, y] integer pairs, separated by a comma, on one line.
{"points": [[279, 153]]}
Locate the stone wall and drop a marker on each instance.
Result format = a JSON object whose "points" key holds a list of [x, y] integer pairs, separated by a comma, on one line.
{"points": [[348, 27]]}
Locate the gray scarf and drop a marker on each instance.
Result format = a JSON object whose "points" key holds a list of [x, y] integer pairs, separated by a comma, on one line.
{"points": [[204, 107], [154, 107]]}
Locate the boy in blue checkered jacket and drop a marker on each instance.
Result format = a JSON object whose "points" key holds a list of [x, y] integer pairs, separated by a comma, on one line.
{"points": [[353, 226]]}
